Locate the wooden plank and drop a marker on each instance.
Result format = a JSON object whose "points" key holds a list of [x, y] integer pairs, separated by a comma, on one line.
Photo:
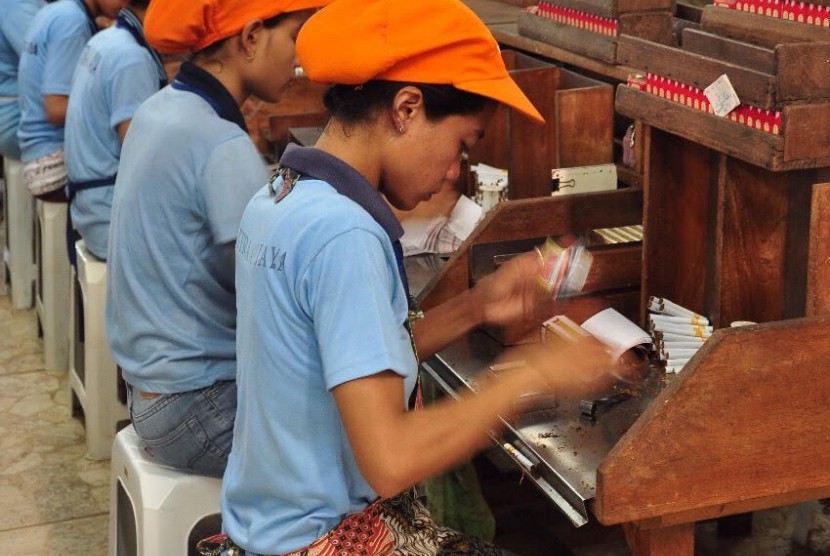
{"points": [[753, 241], [803, 70], [533, 147], [739, 53], [732, 138], [740, 423], [509, 35], [694, 69], [613, 8], [577, 40], [585, 124], [652, 26], [680, 177], [492, 12], [534, 218], [805, 127], [675, 540], [758, 29], [818, 265]]}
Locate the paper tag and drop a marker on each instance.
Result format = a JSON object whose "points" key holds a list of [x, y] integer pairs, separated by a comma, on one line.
{"points": [[722, 97]]}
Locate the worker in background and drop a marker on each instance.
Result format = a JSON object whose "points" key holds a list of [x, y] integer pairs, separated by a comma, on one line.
{"points": [[187, 170], [52, 48], [117, 71], [325, 450], [17, 17]]}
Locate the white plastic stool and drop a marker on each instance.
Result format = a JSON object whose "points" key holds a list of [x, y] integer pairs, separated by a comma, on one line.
{"points": [[53, 283], [19, 250], [93, 375], [156, 510]]}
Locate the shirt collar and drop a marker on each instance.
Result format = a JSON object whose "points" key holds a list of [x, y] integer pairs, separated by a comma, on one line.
{"points": [[196, 80], [347, 181]]}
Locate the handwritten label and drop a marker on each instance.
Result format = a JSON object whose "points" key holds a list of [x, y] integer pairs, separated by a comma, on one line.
{"points": [[722, 97]]}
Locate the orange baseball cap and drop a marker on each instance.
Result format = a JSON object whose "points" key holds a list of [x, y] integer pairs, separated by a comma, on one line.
{"points": [[350, 42], [178, 25]]}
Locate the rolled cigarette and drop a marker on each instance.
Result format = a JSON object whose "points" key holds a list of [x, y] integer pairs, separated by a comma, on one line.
{"points": [[667, 307], [520, 458], [671, 337], [678, 353], [685, 329], [677, 362], [670, 345], [696, 319]]}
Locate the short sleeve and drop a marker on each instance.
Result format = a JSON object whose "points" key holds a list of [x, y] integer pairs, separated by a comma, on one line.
{"points": [[130, 85], [14, 24], [233, 173], [352, 292], [66, 42]]}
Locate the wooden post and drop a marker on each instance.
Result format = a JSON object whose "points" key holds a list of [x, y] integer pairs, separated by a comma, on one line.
{"points": [[818, 262], [674, 540]]}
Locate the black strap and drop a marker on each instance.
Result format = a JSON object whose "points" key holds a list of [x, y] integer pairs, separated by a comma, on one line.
{"points": [[128, 20], [72, 188]]}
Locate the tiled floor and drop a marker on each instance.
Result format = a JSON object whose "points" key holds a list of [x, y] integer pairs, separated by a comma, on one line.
{"points": [[54, 500]]}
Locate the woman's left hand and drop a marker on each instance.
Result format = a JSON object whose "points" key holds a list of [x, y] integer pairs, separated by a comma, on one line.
{"points": [[513, 292]]}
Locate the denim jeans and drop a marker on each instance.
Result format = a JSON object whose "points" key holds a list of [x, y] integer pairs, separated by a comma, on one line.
{"points": [[188, 430]]}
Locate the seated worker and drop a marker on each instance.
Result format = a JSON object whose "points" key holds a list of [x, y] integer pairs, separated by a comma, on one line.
{"points": [[187, 170], [53, 46], [17, 17], [117, 71], [328, 343]]}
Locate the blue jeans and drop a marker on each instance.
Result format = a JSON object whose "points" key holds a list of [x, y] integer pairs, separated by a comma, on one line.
{"points": [[189, 430]]}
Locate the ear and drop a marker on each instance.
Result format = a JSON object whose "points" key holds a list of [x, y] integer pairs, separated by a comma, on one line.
{"points": [[407, 105], [249, 36]]}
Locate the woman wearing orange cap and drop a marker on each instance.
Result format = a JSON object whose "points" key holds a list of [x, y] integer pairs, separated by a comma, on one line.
{"points": [[187, 170], [328, 340]]}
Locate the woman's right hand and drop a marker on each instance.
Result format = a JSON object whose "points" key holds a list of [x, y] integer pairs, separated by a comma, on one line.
{"points": [[580, 367]]}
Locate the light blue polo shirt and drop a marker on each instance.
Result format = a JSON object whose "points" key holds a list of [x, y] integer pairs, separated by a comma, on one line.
{"points": [[320, 302], [53, 45], [17, 16], [114, 75], [183, 182]]}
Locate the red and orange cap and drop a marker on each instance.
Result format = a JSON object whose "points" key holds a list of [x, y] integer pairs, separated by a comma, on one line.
{"points": [[179, 25], [425, 41]]}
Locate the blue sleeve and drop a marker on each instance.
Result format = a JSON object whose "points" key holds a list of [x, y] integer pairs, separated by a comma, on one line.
{"points": [[131, 84], [352, 292], [233, 174], [67, 39], [16, 22]]}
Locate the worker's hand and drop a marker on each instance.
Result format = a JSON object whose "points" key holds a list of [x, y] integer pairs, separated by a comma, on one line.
{"points": [[513, 292], [580, 367]]}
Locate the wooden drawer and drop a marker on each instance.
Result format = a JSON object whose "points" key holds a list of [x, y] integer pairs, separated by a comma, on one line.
{"points": [[579, 116]]}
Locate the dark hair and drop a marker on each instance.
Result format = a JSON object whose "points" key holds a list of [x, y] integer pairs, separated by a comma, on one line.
{"points": [[269, 23], [141, 4], [353, 104]]}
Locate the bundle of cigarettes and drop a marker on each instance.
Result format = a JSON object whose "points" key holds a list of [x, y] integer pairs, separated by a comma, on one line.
{"points": [[694, 97], [790, 10], [577, 18], [564, 270], [677, 332]]}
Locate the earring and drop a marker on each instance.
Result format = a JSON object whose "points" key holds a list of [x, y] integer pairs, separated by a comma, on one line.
{"points": [[401, 128], [250, 55]]}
